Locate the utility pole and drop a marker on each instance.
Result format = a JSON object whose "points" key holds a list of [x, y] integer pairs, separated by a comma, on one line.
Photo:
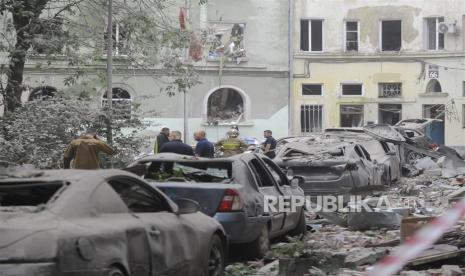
{"points": [[185, 96], [109, 71]]}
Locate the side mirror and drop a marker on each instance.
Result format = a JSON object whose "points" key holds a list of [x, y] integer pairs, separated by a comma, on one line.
{"points": [[296, 181], [187, 206]]}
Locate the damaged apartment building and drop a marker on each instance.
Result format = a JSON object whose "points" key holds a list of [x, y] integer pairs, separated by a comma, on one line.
{"points": [[243, 69], [360, 62]]}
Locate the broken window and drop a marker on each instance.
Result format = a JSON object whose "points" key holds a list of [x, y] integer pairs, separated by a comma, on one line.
{"points": [[390, 90], [434, 111], [351, 36], [30, 194], [121, 103], [389, 114], [311, 35], [391, 35], [48, 36], [433, 86], [225, 105], [351, 90], [138, 198], [120, 35], [311, 89], [434, 39], [311, 118], [262, 177], [43, 93], [226, 40], [351, 115]]}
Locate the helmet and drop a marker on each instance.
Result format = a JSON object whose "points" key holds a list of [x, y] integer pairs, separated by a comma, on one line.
{"points": [[233, 133]]}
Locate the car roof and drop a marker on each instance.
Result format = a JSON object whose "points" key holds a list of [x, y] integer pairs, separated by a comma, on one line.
{"points": [[173, 157], [62, 175]]}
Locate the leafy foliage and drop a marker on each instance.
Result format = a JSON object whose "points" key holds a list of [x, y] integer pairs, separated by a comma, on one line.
{"points": [[38, 132], [146, 36]]}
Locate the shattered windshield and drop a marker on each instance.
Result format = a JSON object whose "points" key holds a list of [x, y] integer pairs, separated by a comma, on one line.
{"points": [[27, 196], [190, 171]]}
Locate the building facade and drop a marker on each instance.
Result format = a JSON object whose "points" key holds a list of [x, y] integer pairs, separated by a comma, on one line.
{"points": [[362, 61], [243, 69]]}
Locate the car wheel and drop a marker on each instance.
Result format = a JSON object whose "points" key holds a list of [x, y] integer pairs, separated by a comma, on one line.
{"points": [[261, 245], [412, 157], [301, 227], [114, 271], [216, 257]]}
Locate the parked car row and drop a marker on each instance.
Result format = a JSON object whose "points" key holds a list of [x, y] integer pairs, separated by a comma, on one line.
{"points": [[179, 218], [170, 214]]}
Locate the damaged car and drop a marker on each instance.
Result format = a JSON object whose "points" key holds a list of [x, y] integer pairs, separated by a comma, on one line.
{"points": [[330, 166], [232, 190], [105, 222], [383, 153]]}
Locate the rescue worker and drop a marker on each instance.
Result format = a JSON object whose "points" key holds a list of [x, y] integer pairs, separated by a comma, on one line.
{"points": [[162, 138], [84, 151], [232, 145]]}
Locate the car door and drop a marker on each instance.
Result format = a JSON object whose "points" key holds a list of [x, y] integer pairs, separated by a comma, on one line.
{"points": [[362, 176], [291, 218], [268, 187], [170, 243], [375, 169]]}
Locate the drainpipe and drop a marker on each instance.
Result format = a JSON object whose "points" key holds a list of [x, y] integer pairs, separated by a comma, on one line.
{"points": [[290, 108], [185, 94]]}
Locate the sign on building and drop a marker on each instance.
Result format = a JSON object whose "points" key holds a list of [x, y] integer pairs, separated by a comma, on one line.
{"points": [[433, 72]]}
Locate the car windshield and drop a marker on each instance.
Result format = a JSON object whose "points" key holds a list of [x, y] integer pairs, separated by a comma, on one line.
{"points": [[374, 148], [190, 171], [27, 196]]}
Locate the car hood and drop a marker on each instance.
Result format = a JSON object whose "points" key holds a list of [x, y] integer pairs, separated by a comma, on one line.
{"points": [[18, 226]]}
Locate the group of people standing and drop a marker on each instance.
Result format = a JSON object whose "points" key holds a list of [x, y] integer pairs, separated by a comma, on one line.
{"points": [[82, 153], [171, 142]]}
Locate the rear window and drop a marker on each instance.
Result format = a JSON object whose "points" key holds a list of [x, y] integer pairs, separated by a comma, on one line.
{"points": [[33, 196], [190, 172]]}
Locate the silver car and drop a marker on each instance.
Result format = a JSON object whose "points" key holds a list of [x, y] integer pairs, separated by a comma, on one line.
{"points": [[106, 222]]}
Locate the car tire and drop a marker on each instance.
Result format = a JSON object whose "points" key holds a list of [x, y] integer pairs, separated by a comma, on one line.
{"points": [[260, 246], [216, 258], [301, 227], [114, 271]]}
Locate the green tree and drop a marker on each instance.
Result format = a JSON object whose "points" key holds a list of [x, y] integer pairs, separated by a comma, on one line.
{"points": [[39, 131], [145, 34]]}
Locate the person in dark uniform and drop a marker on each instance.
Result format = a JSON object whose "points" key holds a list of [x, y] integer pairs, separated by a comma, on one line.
{"points": [[162, 138], [175, 145], [204, 148], [269, 146]]}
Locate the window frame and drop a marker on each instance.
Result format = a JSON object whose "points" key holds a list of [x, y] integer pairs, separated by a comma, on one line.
{"points": [[320, 110], [351, 83], [351, 104], [381, 89], [380, 30], [104, 100], [309, 24], [345, 35], [437, 40], [302, 89]]}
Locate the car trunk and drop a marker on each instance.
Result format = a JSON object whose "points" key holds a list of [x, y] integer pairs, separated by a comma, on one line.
{"points": [[208, 195]]}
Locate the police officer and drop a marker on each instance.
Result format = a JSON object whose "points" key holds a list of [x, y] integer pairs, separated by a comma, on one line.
{"points": [[232, 145]]}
